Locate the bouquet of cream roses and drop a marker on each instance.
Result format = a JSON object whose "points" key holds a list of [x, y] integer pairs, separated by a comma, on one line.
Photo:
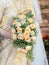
{"points": [[24, 32]]}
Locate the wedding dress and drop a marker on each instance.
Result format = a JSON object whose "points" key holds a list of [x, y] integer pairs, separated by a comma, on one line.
{"points": [[8, 52]]}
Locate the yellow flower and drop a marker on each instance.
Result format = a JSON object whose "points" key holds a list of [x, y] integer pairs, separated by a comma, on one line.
{"points": [[27, 39], [30, 20], [13, 30], [26, 34], [32, 26], [13, 36], [19, 30], [21, 16], [20, 36], [27, 29], [28, 48]]}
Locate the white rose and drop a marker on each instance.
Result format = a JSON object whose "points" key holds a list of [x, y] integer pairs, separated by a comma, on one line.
{"points": [[28, 48], [32, 26], [13, 36], [18, 24], [13, 30], [32, 33], [34, 38], [30, 20]]}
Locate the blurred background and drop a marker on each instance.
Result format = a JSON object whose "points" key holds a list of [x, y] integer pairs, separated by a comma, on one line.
{"points": [[44, 5]]}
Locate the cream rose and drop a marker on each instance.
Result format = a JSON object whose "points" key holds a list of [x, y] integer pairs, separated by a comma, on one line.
{"points": [[20, 36], [18, 24], [19, 30], [27, 29], [26, 34], [27, 39]]}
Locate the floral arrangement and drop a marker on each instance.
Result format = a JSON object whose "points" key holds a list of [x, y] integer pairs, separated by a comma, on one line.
{"points": [[46, 39], [24, 32]]}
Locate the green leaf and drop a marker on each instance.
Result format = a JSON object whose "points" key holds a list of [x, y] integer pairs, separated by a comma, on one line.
{"points": [[29, 15], [30, 55], [13, 26]]}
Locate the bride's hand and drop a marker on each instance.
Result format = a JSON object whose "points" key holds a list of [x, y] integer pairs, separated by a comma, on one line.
{"points": [[5, 34]]}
